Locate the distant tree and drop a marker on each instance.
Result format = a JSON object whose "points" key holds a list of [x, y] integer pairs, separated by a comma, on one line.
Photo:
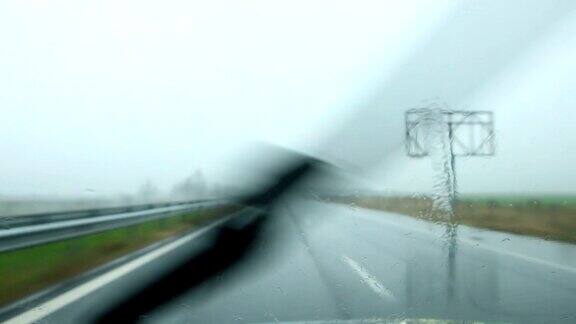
{"points": [[200, 182], [184, 189], [192, 187], [126, 199], [148, 191]]}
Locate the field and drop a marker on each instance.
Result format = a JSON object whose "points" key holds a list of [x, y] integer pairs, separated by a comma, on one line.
{"points": [[28, 270], [548, 217]]}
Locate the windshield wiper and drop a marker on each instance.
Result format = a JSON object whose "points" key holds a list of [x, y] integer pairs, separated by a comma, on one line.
{"points": [[232, 244]]}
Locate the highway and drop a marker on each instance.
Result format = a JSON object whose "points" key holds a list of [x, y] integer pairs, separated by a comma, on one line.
{"points": [[328, 262]]}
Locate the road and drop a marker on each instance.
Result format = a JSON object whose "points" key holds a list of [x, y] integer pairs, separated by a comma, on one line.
{"points": [[328, 262]]}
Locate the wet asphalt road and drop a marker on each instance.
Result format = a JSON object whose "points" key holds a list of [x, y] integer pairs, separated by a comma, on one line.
{"points": [[330, 262]]}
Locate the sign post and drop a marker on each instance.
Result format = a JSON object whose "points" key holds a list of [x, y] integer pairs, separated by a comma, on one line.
{"points": [[444, 135], [448, 134]]}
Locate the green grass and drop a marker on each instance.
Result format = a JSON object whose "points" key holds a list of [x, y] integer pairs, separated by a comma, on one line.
{"points": [[549, 200], [28, 270]]}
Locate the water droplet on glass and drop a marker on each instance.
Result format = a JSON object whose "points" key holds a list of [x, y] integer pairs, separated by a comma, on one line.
{"points": [[352, 206]]}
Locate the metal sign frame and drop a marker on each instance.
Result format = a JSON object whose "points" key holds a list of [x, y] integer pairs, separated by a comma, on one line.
{"points": [[471, 133]]}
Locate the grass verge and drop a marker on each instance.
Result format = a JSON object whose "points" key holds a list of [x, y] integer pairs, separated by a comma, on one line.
{"points": [[551, 218], [25, 271]]}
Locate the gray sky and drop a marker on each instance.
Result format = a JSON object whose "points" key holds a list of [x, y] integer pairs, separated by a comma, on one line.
{"points": [[106, 94]]}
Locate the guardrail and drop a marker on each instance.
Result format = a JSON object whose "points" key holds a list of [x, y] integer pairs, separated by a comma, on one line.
{"points": [[7, 222], [44, 228]]}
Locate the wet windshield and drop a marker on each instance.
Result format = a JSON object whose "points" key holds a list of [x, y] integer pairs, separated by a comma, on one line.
{"points": [[287, 161]]}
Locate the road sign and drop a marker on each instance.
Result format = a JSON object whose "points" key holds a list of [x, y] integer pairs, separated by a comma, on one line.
{"points": [[445, 134], [470, 133]]}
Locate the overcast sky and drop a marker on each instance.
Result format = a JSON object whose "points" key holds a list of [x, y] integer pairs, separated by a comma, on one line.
{"points": [[103, 95]]}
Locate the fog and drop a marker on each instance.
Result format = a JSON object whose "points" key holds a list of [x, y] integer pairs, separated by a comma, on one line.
{"points": [[100, 97]]}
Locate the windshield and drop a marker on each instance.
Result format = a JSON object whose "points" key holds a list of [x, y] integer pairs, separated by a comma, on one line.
{"points": [[264, 161]]}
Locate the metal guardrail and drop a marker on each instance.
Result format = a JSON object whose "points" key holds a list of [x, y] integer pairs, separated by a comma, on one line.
{"points": [[44, 228], [12, 221]]}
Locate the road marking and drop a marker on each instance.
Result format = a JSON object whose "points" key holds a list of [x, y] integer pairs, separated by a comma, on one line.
{"points": [[370, 280], [476, 245], [75, 294]]}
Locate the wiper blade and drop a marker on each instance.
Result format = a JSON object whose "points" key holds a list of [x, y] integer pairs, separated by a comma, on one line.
{"points": [[233, 243]]}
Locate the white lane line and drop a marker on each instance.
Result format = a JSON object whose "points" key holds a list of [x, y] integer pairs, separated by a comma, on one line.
{"points": [[477, 245], [75, 294], [370, 280]]}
